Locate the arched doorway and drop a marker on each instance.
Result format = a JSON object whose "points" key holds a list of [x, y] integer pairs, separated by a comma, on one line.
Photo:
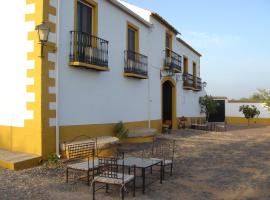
{"points": [[169, 102]]}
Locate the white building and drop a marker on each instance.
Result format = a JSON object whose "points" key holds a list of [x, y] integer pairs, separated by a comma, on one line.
{"points": [[106, 61]]}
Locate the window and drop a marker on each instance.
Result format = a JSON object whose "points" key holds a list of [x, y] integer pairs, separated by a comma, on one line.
{"points": [[84, 18], [185, 65], [168, 44], [168, 41]]}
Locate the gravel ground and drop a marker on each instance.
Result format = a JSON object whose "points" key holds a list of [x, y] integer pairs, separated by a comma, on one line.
{"points": [[211, 166]]}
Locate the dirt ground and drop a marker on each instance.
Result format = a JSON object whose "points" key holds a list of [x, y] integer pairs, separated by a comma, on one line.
{"points": [[211, 166]]}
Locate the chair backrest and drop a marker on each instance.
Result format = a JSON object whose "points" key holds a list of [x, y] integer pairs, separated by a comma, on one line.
{"points": [[78, 151], [108, 167], [163, 148]]}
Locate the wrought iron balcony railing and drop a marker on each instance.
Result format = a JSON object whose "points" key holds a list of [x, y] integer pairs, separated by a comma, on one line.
{"points": [[188, 81], [136, 64], [198, 84], [88, 49], [173, 60]]}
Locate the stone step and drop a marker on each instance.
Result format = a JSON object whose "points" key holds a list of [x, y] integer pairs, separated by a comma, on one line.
{"points": [[17, 160]]}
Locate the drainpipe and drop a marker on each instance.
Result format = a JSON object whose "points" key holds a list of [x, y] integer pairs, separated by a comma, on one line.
{"points": [[149, 100], [57, 147]]}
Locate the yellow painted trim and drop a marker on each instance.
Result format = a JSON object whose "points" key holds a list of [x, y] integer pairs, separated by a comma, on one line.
{"points": [[242, 120], [188, 88], [94, 5], [174, 100], [135, 76], [167, 68], [90, 66], [137, 36]]}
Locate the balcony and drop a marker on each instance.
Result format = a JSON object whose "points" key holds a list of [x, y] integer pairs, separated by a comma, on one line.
{"points": [[136, 65], [188, 81], [88, 51], [172, 61], [198, 84]]}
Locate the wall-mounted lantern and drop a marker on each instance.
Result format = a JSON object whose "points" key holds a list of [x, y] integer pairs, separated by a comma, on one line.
{"points": [[204, 84], [43, 35]]}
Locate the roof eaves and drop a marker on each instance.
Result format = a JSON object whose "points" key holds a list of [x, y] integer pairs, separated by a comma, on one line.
{"points": [[188, 46], [130, 12]]}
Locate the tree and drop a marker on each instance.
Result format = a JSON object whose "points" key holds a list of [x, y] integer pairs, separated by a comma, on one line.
{"points": [[208, 105], [249, 112], [262, 95]]}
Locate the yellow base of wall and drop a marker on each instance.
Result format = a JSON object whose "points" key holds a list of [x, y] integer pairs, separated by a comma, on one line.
{"points": [[242, 120], [68, 133], [21, 139]]}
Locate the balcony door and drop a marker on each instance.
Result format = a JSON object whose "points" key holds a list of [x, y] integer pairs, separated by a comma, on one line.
{"points": [[84, 18], [131, 43]]}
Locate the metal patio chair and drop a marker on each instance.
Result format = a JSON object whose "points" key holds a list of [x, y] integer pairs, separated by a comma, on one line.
{"points": [[111, 172], [82, 158], [164, 149]]}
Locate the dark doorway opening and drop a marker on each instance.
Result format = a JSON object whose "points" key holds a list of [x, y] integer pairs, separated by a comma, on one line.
{"points": [[167, 103], [219, 116]]}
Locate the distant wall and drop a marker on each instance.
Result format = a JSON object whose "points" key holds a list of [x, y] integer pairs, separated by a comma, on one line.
{"points": [[233, 116]]}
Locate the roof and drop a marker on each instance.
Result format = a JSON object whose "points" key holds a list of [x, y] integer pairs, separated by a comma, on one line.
{"points": [[188, 46], [122, 5], [144, 16], [164, 22]]}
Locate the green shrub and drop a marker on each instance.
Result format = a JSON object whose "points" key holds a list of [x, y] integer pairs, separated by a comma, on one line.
{"points": [[120, 130], [53, 159]]}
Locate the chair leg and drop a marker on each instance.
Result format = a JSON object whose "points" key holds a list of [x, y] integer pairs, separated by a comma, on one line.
{"points": [[107, 188], [161, 172], [94, 188], [67, 175], [171, 169], [123, 193], [134, 186], [151, 170], [88, 177]]}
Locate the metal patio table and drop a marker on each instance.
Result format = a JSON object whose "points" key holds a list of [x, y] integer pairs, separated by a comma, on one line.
{"points": [[143, 164]]}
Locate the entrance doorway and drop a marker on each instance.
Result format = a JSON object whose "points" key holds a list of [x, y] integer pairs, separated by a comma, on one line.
{"points": [[167, 103]]}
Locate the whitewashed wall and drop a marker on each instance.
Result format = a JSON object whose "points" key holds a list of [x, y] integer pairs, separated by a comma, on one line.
{"points": [[232, 109], [13, 50], [89, 97]]}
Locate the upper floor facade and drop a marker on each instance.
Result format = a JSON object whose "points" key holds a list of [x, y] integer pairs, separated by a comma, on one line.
{"points": [[117, 37]]}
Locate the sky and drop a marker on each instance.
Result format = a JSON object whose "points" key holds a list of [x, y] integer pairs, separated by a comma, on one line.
{"points": [[232, 35]]}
